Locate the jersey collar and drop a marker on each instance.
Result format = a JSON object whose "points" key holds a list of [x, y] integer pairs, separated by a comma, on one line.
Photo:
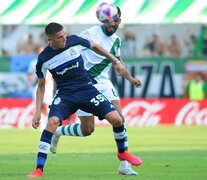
{"points": [[104, 31]]}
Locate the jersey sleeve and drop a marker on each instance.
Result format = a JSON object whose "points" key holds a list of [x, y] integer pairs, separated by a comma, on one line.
{"points": [[81, 41], [40, 70], [85, 35]]}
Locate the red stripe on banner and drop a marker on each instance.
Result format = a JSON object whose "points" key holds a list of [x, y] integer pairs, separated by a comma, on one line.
{"points": [[18, 113], [152, 112]]}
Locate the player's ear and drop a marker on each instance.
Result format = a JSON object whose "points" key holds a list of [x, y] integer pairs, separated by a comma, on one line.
{"points": [[49, 40]]}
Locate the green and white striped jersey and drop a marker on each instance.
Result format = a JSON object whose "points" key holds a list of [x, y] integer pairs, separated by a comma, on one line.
{"points": [[98, 66]]}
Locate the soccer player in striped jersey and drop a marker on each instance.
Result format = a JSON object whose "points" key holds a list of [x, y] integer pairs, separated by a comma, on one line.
{"points": [[74, 87], [98, 67]]}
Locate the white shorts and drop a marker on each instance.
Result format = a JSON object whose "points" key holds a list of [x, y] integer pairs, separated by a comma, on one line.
{"points": [[49, 88], [108, 90], [48, 96]]}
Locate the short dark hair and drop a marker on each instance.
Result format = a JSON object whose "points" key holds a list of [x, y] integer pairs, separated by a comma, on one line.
{"points": [[53, 28], [119, 11]]}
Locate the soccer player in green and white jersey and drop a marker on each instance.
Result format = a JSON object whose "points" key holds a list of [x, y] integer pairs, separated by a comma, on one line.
{"points": [[98, 67]]}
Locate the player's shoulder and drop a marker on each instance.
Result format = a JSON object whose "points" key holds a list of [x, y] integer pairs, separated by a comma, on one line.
{"points": [[45, 54], [42, 55], [72, 37], [90, 33]]}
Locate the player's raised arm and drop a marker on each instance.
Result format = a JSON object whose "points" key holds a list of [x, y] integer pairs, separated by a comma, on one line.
{"points": [[136, 82], [116, 62]]}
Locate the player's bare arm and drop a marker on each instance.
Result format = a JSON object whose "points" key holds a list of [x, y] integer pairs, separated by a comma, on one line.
{"points": [[136, 82], [39, 99], [117, 65]]}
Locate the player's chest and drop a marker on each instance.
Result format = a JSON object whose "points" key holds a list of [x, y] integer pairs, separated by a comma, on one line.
{"points": [[106, 43], [67, 57]]}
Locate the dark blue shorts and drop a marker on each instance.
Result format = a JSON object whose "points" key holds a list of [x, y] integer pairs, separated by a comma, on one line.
{"points": [[66, 103]]}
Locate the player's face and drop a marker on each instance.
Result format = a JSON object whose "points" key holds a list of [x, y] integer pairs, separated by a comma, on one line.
{"points": [[58, 40], [112, 27]]}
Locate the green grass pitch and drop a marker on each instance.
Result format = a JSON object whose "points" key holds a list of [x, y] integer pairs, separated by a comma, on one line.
{"points": [[168, 153]]}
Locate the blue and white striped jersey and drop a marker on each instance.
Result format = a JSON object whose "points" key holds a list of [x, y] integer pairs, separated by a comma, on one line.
{"points": [[65, 65]]}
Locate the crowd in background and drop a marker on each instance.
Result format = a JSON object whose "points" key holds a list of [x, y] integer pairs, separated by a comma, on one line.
{"points": [[145, 41], [176, 41]]}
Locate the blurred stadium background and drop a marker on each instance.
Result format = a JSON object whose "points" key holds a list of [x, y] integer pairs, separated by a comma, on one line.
{"points": [[163, 44]]}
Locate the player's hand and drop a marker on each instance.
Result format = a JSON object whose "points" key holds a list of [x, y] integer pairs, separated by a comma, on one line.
{"points": [[120, 68], [36, 121], [136, 82]]}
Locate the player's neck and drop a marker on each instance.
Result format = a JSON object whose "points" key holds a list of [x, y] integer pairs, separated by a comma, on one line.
{"points": [[104, 31], [53, 47]]}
